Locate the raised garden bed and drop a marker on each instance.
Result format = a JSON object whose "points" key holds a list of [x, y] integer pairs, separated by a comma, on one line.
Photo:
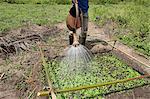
{"points": [[104, 68]]}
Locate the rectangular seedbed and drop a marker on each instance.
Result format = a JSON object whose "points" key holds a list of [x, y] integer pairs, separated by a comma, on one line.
{"points": [[104, 68]]}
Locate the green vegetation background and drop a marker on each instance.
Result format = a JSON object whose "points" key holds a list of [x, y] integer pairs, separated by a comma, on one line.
{"points": [[69, 1]]}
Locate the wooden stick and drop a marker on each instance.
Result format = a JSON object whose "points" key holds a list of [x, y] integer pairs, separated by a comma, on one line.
{"points": [[45, 93], [47, 75]]}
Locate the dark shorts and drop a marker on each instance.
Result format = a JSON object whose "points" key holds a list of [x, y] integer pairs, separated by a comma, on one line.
{"points": [[83, 5]]}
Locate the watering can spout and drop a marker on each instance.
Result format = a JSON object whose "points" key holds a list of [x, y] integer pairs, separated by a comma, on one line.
{"points": [[75, 40]]}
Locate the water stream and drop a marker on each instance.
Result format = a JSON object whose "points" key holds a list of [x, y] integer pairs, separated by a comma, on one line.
{"points": [[76, 60]]}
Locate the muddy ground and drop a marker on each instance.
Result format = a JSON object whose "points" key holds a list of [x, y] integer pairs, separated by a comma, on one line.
{"points": [[20, 61]]}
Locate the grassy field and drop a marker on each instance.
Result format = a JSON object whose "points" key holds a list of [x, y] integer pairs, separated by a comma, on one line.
{"points": [[142, 2], [15, 15]]}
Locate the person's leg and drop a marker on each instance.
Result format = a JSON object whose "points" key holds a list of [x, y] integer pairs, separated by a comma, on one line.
{"points": [[84, 28]]}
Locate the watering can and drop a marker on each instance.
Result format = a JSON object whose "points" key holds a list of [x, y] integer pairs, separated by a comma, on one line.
{"points": [[73, 22]]}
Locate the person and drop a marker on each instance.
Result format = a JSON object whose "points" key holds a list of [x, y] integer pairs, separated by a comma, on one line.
{"points": [[82, 21]]}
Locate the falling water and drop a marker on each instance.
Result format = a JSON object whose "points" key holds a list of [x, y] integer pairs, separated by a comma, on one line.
{"points": [[77, 59]]}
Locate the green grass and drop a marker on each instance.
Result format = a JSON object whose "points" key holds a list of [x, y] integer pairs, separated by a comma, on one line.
{"points": [[15, 15], [134, 18], [142, 2], [105, 68], [37, 1]]}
